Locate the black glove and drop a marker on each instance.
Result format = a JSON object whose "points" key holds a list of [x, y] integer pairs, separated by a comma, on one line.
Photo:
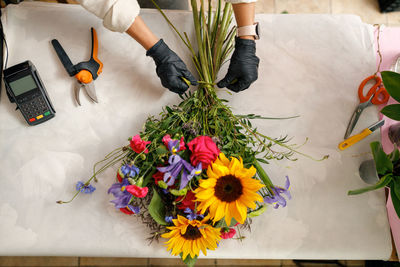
{"points": [[243, 69], [170, 68]]}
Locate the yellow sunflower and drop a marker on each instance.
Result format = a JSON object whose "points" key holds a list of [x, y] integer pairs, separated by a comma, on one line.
{"points": [[228, 191], [188, 237]]}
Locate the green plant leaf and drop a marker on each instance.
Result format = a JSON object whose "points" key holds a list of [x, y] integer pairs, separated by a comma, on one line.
{"points": [[189, 261], [157, 209], [395, 155], [391, 81], [385, 180], [395, 200], [382, 161], [392, 111], [396, 186]]}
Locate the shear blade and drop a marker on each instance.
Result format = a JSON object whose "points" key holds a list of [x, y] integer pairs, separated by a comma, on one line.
{"points": [[91, 91], [76, 92]]}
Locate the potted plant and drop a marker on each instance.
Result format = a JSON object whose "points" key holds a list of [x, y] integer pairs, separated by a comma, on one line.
{"points": [[387, 173]]}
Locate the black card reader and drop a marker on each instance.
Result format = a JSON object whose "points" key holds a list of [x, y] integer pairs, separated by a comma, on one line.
{"points": [[25, 88]]}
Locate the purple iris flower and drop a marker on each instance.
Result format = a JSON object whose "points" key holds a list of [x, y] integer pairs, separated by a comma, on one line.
{"points": [[122, 197], [176, 165], [189, 173], [191, 215], [172, 171], [129, 170], [277, 198], [86, 189], [174, 146]]}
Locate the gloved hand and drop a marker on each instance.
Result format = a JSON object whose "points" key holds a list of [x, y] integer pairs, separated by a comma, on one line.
{"points": [[243, 69], [170, 68]]}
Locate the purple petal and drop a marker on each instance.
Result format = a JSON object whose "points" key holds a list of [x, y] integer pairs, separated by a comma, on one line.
{"points": [[115, 187], [287, 185], [185, 178], [172, 144], [187, 166]]}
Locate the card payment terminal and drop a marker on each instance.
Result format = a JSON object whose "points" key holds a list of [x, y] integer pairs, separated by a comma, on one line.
{"points": [[26, 89]]}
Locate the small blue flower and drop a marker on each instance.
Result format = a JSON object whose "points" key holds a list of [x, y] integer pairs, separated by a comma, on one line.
{"points": [[168, 219], [191, 215], [86, 189], [129, 170]]}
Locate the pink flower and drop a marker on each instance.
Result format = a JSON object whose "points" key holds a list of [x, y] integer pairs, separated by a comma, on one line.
{"points": [[137, 191], [227, 233], [138, 145], [203, 150]]}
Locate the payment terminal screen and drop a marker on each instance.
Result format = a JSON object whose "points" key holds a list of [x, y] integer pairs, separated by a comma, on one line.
{"points": [[22, 85]]}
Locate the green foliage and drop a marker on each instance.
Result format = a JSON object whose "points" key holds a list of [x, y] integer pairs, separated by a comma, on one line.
{"points": [[157, 209], [391, 81], [384, 181], [395, 198], [388, 177], [383, 162], [189, 261]]}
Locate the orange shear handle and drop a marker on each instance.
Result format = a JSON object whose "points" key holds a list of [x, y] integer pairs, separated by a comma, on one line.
{"points": [[381, 96], [95, 48]]}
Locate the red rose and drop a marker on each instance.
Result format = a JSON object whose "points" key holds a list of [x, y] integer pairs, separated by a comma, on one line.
{"points": [[138, 145], [187, 202], [158, 176], [203, 150]]}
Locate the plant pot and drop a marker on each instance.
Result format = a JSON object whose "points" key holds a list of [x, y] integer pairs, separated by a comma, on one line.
{"points": [[368, 172]]}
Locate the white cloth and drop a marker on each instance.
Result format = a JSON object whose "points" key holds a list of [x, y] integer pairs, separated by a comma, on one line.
{"points": [[311, 65], [118, 15]]}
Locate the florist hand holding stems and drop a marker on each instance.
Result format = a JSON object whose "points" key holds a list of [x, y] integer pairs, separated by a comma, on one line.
{"points": [[123, 16]]}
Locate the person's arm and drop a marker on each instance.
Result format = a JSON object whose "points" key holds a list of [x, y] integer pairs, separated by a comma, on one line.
{"points": [[123, 16], [243, 68], [244, 15]]}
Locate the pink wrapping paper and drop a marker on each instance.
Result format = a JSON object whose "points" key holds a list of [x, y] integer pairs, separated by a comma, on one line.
{"points": [[390, 50]]}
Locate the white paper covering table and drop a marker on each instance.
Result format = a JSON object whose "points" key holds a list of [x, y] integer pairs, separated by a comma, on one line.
{"points": [[311, 66]]}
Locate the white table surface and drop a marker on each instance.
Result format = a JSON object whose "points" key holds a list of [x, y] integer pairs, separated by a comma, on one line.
{"points": [[311, 66]]}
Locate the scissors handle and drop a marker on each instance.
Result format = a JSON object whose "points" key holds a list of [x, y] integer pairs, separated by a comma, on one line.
{"points": [[381, 96]]}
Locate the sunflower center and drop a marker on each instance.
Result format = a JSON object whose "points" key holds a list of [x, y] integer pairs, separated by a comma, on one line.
{"points": [[228, 188], [192, 233]]}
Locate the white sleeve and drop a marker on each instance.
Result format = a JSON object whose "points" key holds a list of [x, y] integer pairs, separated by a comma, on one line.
{"points": [[240, 1], [117, 15]]}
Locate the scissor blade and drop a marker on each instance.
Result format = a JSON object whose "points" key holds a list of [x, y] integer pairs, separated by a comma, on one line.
{"points": [[356, 115], [91, 91], [353, 122], [376, 125]]}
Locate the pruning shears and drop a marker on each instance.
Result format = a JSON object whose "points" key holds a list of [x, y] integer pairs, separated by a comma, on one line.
{"points": [[85, 72]]}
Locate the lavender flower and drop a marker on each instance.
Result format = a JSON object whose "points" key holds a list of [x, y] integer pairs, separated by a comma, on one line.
{"points": [[277, 198], [86, 189]]}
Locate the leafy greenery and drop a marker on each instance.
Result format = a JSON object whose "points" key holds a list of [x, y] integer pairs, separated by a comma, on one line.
{"points": [[391, 81], [388, 169], [157, 209]]}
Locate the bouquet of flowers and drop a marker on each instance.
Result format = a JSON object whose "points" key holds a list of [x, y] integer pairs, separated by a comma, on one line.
{"points": [[193, 175]]}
